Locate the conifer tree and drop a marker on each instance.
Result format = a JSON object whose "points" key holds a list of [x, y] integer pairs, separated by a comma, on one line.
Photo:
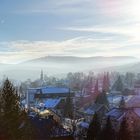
{"points": [[124, 133], [108, 81], [94, 128], [102, 99], [10, 111], [108, 132], [68, 108], [118, 85], [105, 86], [96, 89], [14, 122], [26, 127]]}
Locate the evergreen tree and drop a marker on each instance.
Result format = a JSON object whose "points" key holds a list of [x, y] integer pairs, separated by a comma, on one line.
{"points": [[108, 81], [96, 89], [105, 86], [94, 128], [108, 132], [10, 111], [26, 127], [129, 79], [102, 99], [118, 85], [68, 108], [124, 133], [13, 120]]}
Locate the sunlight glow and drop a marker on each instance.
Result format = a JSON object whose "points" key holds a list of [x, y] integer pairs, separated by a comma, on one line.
{"points": [[134, 9]]}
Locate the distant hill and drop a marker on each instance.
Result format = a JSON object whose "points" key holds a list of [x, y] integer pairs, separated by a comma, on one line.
{"points": [[132, 67], [60, 65], [70, 63], [71, 59]]}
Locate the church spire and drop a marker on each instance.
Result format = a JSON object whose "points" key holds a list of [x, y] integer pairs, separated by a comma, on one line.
{"points": [[41, 75]]}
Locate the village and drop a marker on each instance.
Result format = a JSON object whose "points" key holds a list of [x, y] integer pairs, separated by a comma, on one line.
{"points": [[73, 103]]}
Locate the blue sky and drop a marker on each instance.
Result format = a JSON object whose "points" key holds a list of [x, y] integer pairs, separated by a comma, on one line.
{"points": [[34, 28]]}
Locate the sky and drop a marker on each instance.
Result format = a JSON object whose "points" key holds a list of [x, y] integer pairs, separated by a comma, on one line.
{"points": [[36, 28]]}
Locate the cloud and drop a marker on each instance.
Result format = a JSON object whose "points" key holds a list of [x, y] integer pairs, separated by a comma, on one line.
{"points": [[130, 31], [17, 51]]}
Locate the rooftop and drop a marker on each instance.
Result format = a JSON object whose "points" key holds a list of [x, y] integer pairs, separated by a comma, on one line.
{"points": [[49, 90], [91, 109], [134, 101], [116, 113], [52, 103]]}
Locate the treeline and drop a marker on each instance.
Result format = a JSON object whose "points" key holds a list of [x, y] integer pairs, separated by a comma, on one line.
{"points": [[79, 80]]}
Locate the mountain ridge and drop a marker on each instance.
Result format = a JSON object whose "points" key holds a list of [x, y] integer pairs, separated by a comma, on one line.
{"points": [[75, 58]]}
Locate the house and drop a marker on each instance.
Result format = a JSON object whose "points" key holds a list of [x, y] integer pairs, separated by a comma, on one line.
{"points": [[88, 112], [56, 104], [52, 103], [47, 128], [35, 96], [116, 115], [50, 113], [132, 116], [114, 100], [133, 102]]}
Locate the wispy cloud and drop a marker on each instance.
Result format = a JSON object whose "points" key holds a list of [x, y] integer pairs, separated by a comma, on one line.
{"points": [[131, 32], [80, 46]]}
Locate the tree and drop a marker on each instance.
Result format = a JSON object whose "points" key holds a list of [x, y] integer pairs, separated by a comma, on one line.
{"points": [[96, 89], [106, 82], [118, 85], [108, 132], [68, 108], [10, 111], [94, 128], [124, 133], [129, 79], [102, 99], [122, 103], [28, 131], [13, 119]]}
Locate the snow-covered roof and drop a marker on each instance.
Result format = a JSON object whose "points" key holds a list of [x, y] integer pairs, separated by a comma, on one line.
{"points": [[23, 102], [137, 111], [83, 124], [49, 90], [117, 98], [115, 92], [134, 101], [52, 103], [116, 113], [90, 110], [55, 90]]}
